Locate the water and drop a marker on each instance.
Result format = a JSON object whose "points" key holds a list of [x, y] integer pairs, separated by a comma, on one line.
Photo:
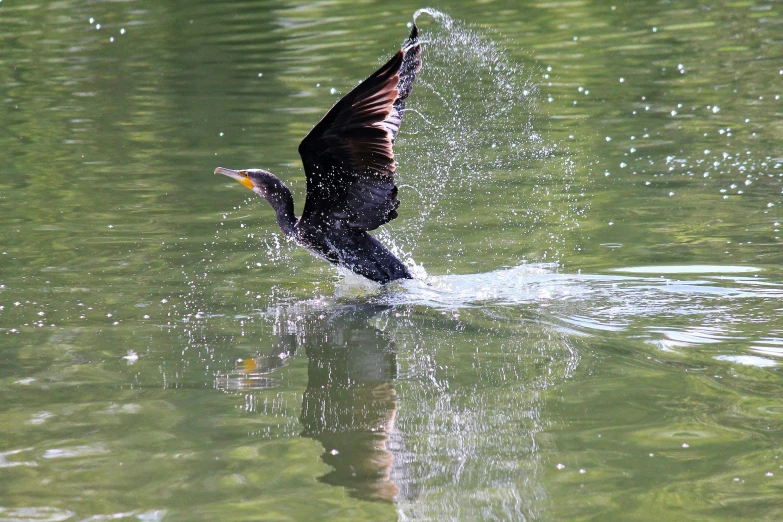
{"points": [[591, 195]]}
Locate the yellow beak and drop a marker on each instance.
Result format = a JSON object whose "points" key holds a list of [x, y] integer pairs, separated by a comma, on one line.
{"points": [[239, 175]]}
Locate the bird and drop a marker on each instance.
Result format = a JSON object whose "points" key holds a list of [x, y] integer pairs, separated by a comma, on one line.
{"points": [[350, 169]]}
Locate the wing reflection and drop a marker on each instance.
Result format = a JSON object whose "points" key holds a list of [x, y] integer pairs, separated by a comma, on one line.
{"points": [[350, 403]]}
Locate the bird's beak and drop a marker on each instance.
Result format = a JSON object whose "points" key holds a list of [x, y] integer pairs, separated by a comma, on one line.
{"points": [[239, 175]]}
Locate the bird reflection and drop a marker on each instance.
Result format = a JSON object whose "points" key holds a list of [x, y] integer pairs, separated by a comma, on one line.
{"points": [[350, 403], [350, 406]]}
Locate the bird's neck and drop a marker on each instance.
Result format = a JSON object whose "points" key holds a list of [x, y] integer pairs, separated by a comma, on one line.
{"points": [[283, 204]]}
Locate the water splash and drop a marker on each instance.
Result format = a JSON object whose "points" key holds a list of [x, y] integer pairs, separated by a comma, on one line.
{"points": [[471, 124]]}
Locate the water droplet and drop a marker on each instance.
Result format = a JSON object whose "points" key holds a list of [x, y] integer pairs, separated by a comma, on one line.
{"points": [[622, 80], [92, 20], [97, 26], [332, 91], [122, 31]]}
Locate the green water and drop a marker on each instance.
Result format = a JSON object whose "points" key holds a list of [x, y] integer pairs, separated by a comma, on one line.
{"points": [[591, 195]]}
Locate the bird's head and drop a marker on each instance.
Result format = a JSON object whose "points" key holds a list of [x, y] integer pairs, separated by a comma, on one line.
{"points": [[263, 183]]}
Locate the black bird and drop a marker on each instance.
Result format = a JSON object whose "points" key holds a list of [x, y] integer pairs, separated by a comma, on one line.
{"points": [[349, 165]]}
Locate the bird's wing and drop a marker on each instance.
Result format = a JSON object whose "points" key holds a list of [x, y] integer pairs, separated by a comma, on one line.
{"points": [[348, 156]]}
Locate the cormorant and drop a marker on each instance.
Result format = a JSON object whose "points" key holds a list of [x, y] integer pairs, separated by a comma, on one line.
{"points": [[349, 165]]}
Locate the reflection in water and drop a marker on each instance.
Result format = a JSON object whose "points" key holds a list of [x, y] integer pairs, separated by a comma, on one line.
{"points": [[350, 403], [367, 361]]}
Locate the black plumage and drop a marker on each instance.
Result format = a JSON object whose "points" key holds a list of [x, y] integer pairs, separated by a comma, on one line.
{"points": [[349, 163]]}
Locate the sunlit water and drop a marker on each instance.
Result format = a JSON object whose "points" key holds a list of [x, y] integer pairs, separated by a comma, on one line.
{"points": [[591, 200]]}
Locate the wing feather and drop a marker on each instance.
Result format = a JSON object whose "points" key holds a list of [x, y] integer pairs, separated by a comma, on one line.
{"points": [[348, 156]]}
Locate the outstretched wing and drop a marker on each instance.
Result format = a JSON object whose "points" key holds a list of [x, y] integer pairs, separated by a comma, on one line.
{"points": [[348, 156]]}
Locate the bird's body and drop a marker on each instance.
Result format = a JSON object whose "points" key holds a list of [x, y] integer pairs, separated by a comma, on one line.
{"points": [[349, 165], [359, 251]]}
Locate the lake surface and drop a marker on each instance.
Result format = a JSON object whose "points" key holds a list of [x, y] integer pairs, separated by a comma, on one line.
{"points": [[591, 198]]}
